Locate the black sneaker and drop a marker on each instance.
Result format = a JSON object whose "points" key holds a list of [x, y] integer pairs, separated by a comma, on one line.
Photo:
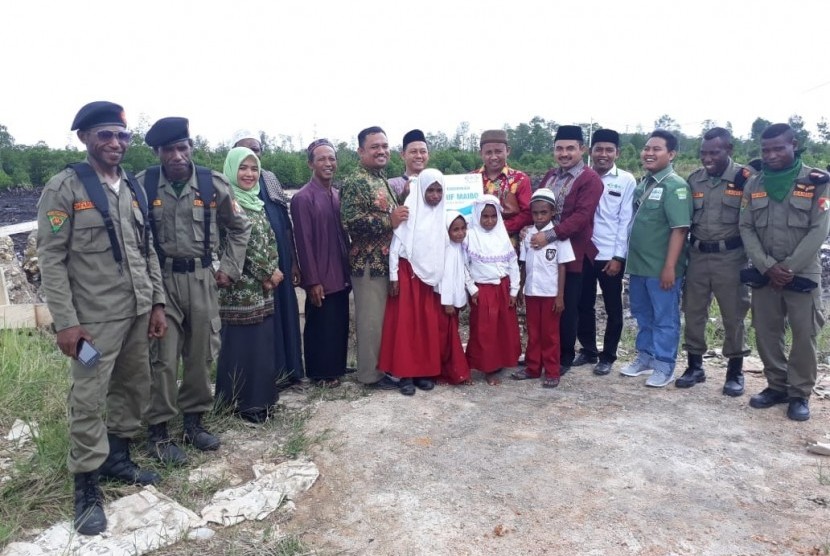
{"points": [[424, 383], [582, 359], [386, 383], [407, 387], [603, 368]]}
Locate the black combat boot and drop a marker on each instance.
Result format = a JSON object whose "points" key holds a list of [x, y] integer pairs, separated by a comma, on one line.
{"points": [[162, 447], [121, 467], [196, 434], [694, 373], [734, 385], [89, 504]]}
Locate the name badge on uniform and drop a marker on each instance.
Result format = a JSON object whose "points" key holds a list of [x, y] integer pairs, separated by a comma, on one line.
{"points": [[656, 194], [550, 254]]}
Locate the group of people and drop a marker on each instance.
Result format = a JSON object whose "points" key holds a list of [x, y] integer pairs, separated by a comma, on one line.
{"points": [[181, 266]]}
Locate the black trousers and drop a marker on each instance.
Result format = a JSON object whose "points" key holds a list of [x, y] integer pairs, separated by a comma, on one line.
{"points": [[612, 298], [568, 320], [326, 336]]}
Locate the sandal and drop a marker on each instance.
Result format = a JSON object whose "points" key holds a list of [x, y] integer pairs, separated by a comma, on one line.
{"points": [[522, 375], [328, 383], [493, 380], [550, 382]]}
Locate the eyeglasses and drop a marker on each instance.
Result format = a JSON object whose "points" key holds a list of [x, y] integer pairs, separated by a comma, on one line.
{"points": [[106, 135]]}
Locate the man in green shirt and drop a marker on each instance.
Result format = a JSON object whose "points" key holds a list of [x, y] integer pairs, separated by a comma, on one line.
{"points": [[657, 260]]}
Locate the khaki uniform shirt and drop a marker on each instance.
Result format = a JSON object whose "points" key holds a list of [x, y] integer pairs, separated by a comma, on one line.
{"points": [[180, 222], [717, 203], [81, 280], [790, 232]]}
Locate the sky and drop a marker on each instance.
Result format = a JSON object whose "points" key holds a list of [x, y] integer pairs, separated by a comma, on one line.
{"points": [[309, 69]]}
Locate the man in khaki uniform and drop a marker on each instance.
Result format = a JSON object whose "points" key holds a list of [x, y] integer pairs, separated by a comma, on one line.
{"points": [[103, 286], [716, 257], [179, 218], [784, 221]]}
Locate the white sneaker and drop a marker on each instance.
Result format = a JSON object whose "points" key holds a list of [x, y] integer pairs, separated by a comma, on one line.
{"points": [[642, 365], [663, 375]]}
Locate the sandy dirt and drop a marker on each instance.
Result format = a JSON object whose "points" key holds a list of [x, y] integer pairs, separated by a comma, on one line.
{"points": [[601, 465]]}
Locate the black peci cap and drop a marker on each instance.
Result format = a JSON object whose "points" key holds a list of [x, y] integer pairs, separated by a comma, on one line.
{"points": [[606, 136], [569, 133], [412, 136]]}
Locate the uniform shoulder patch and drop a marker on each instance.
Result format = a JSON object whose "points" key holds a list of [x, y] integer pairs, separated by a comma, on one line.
{"points": [[818, 177], [57, 218]]}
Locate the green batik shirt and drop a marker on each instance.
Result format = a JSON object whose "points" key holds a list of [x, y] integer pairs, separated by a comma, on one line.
{"points": [[246, 301], [366, 202], [662, 201]]}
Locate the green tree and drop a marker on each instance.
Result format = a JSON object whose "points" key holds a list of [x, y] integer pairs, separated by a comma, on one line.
{"points": [[668, 123], [823, 130], [758, 127], [801, 134], [6, 139]]}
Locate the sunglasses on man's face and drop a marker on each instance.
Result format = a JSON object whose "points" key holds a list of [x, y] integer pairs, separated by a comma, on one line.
{"points": [[106, 135]]}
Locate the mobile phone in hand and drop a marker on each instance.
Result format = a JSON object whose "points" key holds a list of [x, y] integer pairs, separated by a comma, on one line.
{"points": [[88, 355]]}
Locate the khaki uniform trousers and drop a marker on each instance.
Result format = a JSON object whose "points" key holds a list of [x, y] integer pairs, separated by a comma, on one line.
{"points": [[772, 311], [369, 306], [193, 326], [718, 274], [119, 383]]}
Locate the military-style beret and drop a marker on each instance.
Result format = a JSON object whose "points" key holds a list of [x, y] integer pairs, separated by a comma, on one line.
{"points": [[98, 113], [166, 131], [544, 194], [606, 136], [493, 136], [569, 133], [412, 136]]}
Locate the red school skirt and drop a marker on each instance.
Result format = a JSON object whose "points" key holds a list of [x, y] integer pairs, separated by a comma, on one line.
{"points": [[410, 346], [454, 366], [494, 329]]}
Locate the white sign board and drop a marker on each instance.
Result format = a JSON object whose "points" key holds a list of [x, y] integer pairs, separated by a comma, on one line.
{"points": [[461, 190]]}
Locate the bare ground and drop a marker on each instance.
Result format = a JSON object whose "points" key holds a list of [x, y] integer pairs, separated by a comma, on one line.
{"points": [[601, 465]]}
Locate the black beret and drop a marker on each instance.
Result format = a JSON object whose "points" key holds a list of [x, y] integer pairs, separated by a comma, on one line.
{"points": [[98, 113], [166, 131], [606, 136], [569, 133], [412, 136]]}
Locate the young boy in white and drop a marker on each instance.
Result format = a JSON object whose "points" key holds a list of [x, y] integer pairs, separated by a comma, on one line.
{"points": [[543, 291]]}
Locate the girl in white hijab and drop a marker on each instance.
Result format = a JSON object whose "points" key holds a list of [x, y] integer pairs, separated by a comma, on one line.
{"points": [[455, 285], [494, 326], [410, 346]]}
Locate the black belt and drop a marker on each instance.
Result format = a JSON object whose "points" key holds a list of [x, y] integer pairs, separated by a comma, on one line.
{"points": [[717, 246], [183, 266]]}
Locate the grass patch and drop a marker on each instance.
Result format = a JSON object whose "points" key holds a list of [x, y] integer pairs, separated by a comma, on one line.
{"points": [[34, 382], [292, 425]]}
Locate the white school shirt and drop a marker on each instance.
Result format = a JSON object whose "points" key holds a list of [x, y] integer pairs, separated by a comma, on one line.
{"points": [[612, 220], [492, 273], [542, 265]]}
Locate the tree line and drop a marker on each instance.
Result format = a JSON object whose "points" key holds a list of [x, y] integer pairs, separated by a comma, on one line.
{"points": [[531, 151]]}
